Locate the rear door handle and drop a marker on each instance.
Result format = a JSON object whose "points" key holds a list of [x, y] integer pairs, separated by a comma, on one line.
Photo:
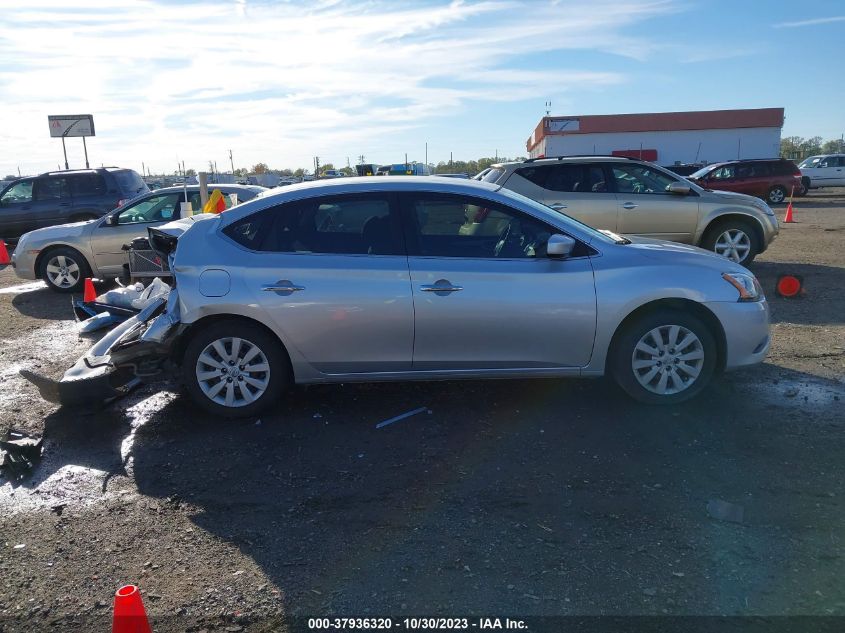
{"points": [[630, 205], [440, 288], [282, 286], [64, 204], [557, 206]]}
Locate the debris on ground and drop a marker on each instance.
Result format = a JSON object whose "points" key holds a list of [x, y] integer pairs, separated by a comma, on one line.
{"points": [[401, 416], [99, 321], [19, 453], [724, 511]]}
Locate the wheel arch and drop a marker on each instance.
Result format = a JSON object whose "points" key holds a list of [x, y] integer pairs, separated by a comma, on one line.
{"points": [[734, 216], [682, 305], [177, 353], [39, 259]]}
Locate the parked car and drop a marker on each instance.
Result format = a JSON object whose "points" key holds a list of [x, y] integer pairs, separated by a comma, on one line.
{"points": [[57, 197], [635, 197], [683, 169], [408, 278], [826, 170], [63, 256], [773, 180]]}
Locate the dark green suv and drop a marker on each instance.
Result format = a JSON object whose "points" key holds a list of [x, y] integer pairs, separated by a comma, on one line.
{"points": [[58, 197]]}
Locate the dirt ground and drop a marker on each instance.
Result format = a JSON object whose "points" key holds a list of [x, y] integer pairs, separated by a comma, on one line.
{"points": [[514, 498]]}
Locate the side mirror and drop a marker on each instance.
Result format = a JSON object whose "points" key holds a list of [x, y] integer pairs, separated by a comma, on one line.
{"points": [[111, 220], [679, 188], [560, 246]]}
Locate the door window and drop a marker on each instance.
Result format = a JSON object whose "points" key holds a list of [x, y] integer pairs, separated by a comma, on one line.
{"points": [[18, 194], [153, 209], [349, 225], [85, 185], [576, 179], [49, 189], [641, 179], [458, 226], [726, 172]]}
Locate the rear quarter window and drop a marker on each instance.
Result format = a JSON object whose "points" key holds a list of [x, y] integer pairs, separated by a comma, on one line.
{"points": [[492, 175], [82, 185], [129, 182], [537, 175]]}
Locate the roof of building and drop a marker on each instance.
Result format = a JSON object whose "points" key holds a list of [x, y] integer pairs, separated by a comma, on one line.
{"points": [[655, 122]]}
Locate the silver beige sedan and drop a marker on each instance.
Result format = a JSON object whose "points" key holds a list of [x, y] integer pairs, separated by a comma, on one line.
{"points": [[64, 255], [416, 278]]}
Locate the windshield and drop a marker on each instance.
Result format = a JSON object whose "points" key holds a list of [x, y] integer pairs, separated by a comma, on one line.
{"points": [[701, 172], [585, 228]]}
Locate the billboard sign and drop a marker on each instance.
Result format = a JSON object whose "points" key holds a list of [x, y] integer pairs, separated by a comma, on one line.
{"points": [[71, 125], [564, 125]]}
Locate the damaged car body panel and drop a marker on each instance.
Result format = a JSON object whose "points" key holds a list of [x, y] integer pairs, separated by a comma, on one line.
{"points": [[135, 350]]}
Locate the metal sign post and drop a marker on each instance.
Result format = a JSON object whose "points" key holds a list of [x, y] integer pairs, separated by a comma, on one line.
{"points": [[62, 126]]}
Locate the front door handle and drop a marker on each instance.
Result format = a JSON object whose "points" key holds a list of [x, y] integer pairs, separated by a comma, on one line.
{"points": [[441, 285], [557, 206], [630, 205], [282, 286]]}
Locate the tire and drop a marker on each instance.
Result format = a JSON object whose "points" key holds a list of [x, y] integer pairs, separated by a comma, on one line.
{"points": [[207, 365], [641, 374], [64, 269], [734, 239], [776, 194], [805, 187]]}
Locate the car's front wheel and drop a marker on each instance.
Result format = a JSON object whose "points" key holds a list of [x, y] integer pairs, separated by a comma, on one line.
{"points": [[734, 239], [64, 270], [664, 357], [234, 369]]}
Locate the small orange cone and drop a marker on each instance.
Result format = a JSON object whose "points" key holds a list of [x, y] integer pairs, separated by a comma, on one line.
{"points": [[787, 219], [4, 254], [90, 294], [129, 613]]}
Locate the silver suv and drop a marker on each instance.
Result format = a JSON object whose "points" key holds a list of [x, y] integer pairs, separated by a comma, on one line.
{"points": [[639, 198]]}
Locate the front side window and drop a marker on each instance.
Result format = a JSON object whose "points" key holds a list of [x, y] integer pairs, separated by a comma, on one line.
{"points": [[641, 179], [723, 173], [48, 189], [457, 226], [153, 209], [18, 193], [352, 225]]}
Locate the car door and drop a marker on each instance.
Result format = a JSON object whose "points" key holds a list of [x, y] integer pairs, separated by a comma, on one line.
{"points": [[331, 273], [131, 221], [577, 189], [647, 208], [15, 207], [89, 191], [839, 172], [485, 294], [52, 202]]}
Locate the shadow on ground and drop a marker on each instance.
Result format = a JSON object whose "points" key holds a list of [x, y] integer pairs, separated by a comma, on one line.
{"points": [[823, 301]]}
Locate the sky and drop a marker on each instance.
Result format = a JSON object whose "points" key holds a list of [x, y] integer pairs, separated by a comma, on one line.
{"points": [[280, 82]]}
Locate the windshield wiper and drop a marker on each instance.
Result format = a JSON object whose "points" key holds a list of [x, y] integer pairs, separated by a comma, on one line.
{"points": [[617, 239]]}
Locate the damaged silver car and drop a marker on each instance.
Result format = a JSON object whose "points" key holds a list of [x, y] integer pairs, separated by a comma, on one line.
{"points": [[375, 279]]}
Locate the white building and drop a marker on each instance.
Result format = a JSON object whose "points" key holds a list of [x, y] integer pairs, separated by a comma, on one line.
{"points": [[666, 138]]}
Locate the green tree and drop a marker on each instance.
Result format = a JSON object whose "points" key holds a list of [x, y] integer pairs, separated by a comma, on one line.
{"points": [[190, 172], [833, 146], [812, 146]]}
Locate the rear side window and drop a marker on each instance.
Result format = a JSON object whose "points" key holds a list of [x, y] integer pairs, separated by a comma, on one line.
{"points": [[783, 168], [52, 188], [492, 175], [82, 185], [753, 170], [129, 182], [576, 179], [537, 175], [360, 225]]}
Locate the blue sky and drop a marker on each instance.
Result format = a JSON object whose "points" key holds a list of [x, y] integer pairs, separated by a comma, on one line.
{"points": [[280, 82]]}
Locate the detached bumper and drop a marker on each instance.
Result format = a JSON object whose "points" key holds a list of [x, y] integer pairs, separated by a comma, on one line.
{"points": [[135, 350]]}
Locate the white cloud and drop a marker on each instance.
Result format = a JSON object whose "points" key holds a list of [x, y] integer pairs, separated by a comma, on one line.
{"points": [[280, 83], [811, 22]]}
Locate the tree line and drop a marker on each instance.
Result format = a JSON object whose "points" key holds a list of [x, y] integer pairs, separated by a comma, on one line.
{"points": [[797, 147]]}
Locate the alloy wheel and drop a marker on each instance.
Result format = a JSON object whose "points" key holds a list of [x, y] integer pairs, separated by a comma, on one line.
{"points": [[232, 372], [62, 271], [777, 195], [667, 359], [733, 244]]}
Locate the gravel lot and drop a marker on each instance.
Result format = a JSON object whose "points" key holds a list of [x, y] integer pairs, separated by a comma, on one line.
{"points": [[508, 498]]}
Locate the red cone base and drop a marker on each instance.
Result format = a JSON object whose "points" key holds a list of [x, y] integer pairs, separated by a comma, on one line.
{"points": [[789, 286], [129, 614]]}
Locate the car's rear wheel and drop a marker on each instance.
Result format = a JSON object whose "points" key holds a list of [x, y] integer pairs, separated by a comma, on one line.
{"points": [[733, 239], [776, 195], [664, 357], [64, 270], [234, 369]]}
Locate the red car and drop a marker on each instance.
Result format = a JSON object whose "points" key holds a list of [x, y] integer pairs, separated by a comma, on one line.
{"points": [[772, 179]]}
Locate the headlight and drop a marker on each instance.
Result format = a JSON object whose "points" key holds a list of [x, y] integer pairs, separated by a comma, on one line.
{"points": [[747, 285]]}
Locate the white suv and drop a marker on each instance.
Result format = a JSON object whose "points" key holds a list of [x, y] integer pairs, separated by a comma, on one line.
{"points": [[825, 170], [637, 197]]}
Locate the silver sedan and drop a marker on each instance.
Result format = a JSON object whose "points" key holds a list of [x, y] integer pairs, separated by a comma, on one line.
{"points": [[374, 279], [64, 255]]}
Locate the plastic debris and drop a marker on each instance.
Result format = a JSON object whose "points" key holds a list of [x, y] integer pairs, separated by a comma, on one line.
{"points": [[99, 321], [19, 453], [724, 511], [401, 416], [135, 296]]}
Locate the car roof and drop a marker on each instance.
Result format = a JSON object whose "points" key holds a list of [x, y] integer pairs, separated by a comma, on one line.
{"points": [[548, 160], [380, 183], [747, 160], [211, 187]]}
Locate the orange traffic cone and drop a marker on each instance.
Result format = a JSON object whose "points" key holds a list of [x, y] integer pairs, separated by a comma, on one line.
{"points": [[787, 219], [129, 613], [90, 294], [4, 254]]}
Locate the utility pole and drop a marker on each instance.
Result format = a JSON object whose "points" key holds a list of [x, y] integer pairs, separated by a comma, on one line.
{"points": [[361, 159], [426, 152], [232, 162], [548, 108], [316, 167], [143, 168]]}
